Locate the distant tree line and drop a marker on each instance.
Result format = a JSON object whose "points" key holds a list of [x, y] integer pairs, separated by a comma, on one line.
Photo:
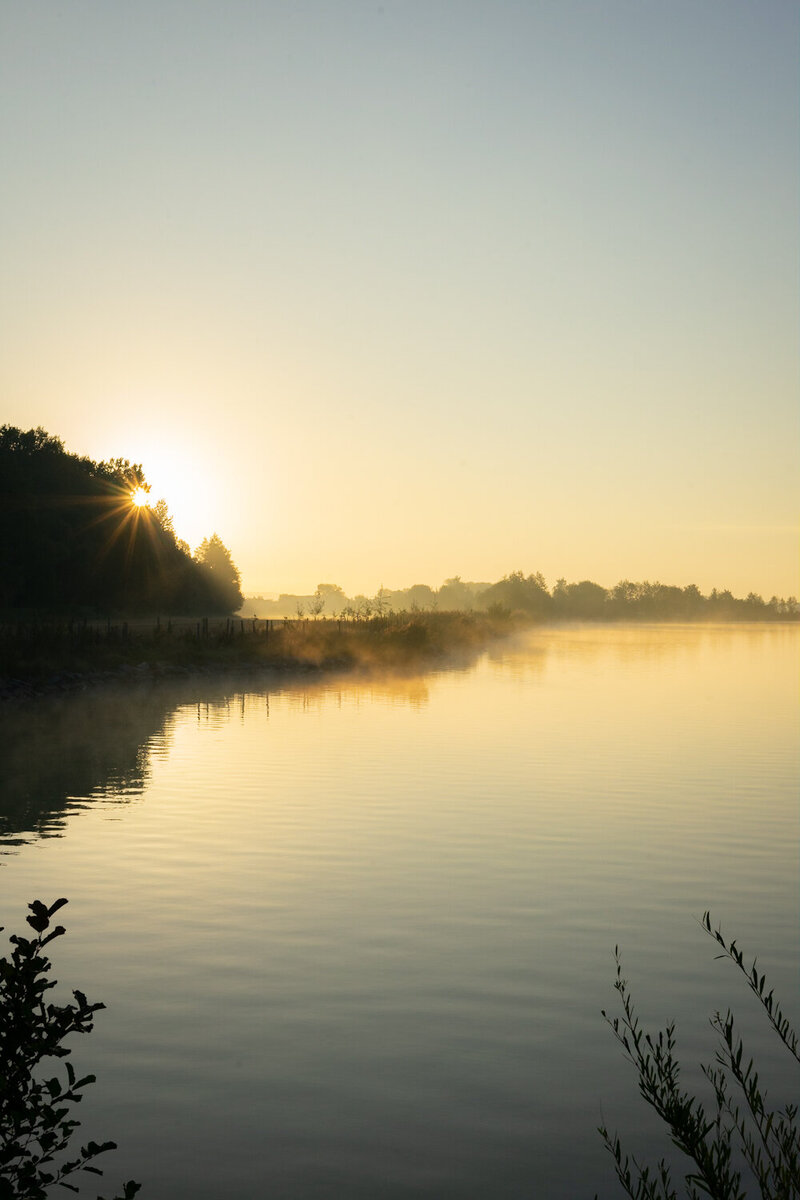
{"points": [[588, 601], [530, 596], [73, 539]]}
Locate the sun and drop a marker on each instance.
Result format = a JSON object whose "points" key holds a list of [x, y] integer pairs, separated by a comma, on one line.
{"points": [[140, 497]]}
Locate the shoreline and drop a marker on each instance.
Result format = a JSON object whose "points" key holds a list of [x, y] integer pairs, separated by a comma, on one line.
{"points": [[70, 664], [408, 643]]}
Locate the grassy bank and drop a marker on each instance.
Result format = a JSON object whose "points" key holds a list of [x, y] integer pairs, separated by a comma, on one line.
{"points": [[36, 655]]}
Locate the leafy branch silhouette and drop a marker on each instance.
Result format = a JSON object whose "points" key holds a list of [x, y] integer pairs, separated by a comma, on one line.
{"points": [[36, 1122], [741, 1142]]}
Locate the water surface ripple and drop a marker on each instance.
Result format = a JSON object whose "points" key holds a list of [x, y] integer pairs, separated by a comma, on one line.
{"points": [[354, 935]]}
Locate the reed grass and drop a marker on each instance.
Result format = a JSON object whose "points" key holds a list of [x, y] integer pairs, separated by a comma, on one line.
{"points": [[64, 652], [739, 1146]]}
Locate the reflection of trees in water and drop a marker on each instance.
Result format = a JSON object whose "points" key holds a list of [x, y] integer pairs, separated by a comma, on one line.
{"points": [[521, 656], [316, 694], [61, 753], [74, 746]]}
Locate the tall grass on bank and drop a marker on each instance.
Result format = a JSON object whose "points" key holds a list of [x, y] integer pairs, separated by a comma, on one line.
{"points": [[36, 651], [739, 1148]]}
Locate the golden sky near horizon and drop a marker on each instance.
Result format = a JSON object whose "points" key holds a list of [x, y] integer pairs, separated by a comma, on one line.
{"points": [[387, 294]]}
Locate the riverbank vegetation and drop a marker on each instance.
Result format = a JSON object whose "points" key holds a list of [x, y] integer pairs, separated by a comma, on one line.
{"points": [[46, 654]]}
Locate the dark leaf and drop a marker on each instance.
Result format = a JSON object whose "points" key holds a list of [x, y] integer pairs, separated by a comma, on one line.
{"points": [[57, 932]]}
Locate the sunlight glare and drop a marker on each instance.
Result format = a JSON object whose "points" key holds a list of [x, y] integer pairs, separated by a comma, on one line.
{"points": [[140, 497]]}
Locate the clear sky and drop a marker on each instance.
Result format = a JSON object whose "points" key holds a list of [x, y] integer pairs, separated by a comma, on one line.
{"points": [[385, 292]]}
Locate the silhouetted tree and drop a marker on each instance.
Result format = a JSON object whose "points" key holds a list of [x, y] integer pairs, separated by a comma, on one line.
{"points": [[518, 593], [420, 595], [215, 559], [693, 599], [72, 538], [381, 601], [333, 597], [455, 595], [584, 601]]}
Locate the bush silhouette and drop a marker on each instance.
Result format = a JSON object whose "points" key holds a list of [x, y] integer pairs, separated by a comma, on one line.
{"points": [[36, 1122]]}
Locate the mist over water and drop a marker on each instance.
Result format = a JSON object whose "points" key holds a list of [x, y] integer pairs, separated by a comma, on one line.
{"points": [[354, 934]]}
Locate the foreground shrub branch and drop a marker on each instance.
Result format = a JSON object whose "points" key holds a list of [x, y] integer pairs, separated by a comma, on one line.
{"points": [[36, 1124], [739, 1144]]}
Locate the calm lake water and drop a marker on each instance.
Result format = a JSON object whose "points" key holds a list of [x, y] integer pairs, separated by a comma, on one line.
{"points": [[355, 935]]}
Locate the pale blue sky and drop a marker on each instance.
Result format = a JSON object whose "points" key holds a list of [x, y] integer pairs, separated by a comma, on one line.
{"points": [[383, 293]]}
